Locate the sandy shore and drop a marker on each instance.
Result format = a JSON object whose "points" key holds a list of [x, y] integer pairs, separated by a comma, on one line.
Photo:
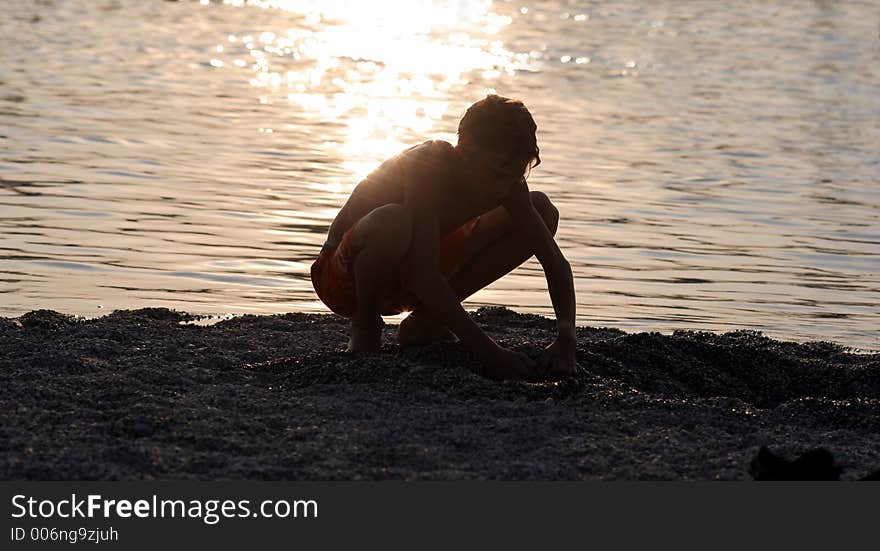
{"points": [[140, 395]]}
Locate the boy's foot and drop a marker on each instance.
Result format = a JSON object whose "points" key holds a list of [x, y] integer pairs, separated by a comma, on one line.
{"points": [[419, 329], [366, 336]]}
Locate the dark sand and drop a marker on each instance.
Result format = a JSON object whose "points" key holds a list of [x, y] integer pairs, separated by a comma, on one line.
{"points": [[138, 395]]}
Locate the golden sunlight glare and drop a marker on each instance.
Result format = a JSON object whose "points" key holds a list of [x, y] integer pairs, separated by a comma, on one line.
{"points": [[384, 69]]}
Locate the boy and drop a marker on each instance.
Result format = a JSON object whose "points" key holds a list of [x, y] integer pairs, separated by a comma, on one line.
{"points": [[436, 223]]}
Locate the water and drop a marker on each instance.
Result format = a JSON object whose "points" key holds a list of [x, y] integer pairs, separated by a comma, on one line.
{"points": [[715, 164]]}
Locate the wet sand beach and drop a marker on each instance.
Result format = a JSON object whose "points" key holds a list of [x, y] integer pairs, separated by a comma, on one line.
{"points": [[144, 394]]}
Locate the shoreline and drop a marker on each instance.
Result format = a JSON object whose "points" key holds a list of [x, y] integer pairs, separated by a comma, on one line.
{"points": [[137, 394], [209, 318]]}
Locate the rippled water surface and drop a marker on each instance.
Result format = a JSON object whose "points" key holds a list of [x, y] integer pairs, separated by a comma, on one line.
{"points": [[716, 164]]}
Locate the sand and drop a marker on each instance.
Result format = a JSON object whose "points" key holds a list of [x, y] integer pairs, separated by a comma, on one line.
{"points": [[142, 394]]}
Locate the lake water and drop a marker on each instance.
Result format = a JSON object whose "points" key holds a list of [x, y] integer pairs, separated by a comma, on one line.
{"points": [[715, 163]]}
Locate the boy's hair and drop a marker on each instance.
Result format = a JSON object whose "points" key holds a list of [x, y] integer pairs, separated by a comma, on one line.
{"points": [[503, 125]]}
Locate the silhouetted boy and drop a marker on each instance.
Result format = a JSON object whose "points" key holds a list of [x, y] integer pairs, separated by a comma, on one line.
{"points": [[436, 223]]}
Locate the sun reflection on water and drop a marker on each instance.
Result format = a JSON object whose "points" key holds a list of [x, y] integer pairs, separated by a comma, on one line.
{"points": [[379, 74]]}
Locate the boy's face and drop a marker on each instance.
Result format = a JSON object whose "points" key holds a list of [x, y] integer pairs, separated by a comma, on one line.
{"points": [[498, 171]]}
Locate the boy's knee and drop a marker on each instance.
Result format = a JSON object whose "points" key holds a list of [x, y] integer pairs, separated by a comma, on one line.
{"points": [[546, 209], [389, 226]]}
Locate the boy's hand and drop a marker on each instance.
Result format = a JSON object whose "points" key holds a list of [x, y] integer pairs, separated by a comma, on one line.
{"points": [[558, 359], [503, 364]]}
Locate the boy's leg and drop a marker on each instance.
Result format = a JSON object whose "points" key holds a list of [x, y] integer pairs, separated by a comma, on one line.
{"points": [[497, 250], [493, 251], [382, 239]]}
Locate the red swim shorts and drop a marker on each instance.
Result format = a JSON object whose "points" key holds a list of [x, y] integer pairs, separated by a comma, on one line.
{"points": [[333, 272]]}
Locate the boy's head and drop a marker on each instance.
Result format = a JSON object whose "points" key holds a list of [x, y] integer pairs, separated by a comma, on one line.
{"points": [[502, 127]]}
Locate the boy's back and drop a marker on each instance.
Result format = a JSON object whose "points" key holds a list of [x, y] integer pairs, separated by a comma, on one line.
{"points": [[433, 166]]}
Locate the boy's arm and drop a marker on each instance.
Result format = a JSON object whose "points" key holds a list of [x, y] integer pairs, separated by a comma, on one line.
{"points": [[435, 294], [557, 270]]}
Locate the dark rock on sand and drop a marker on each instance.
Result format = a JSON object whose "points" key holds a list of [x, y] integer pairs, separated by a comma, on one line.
{"points": [[142, 394], [817, 464]]}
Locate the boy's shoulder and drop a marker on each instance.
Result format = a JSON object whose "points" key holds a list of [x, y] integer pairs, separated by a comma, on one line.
{"points": [[431, 160], [430, 148], [436, 153], [429, 151]]}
